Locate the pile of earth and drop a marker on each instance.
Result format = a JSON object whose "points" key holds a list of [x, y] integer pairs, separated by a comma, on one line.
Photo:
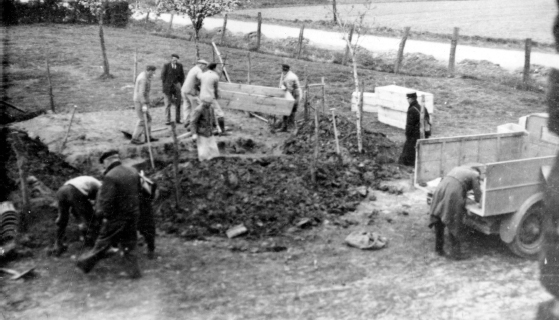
{"points": [[270, 195]]}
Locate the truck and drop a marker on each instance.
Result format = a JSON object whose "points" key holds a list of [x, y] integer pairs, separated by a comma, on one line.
{"points": [[514, 165]]}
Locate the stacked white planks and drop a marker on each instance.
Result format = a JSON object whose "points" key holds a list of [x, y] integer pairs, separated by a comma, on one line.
{"points": [[391, 104], [268, 100]]}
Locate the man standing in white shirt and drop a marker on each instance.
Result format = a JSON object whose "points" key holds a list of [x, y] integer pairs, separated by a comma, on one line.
{"points": [[75, 196], [191, 89], [290, 84]]}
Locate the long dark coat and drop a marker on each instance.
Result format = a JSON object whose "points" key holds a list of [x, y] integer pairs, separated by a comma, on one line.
{"points": [[449, 198], [170, 77], [412, 133], [118, 198]]}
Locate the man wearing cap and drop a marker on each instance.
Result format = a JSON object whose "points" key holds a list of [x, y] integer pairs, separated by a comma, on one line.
{"points": [[118, 204], [290, 83], [142, 88], [172, 77], [448, 206], [75, 196], [191, 89], [407, 157]]}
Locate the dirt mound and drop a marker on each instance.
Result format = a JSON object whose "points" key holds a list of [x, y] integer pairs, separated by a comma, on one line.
{"points": [[270, 195]]}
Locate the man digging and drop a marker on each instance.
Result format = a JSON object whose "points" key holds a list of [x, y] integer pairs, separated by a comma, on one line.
{"points": [[142, 88]]}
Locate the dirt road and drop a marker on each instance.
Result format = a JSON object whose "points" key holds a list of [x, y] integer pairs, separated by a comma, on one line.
{"points": [[508, 59], [317, 277]]}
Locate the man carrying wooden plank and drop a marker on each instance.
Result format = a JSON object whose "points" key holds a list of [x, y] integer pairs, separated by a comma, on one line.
{"points": [[413, 126], [201, 126], [191, 90], [290, 84], [141, 105], [448, 206]]}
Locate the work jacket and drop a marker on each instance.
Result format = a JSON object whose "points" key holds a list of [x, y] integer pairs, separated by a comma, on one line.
{"points": [[171, 76], [142, 88], [412, 120], [191, 85], [118, 198]]}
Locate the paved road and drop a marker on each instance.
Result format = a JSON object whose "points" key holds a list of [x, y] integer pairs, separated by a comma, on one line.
{"points": [[508, 59]]}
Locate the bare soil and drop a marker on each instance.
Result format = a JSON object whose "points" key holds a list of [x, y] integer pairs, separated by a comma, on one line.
{"points": [[292, 273]]}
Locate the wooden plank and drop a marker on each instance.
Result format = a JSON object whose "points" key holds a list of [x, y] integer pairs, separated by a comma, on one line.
{"points": [[256, 103], [251, 89], [474, 137]]}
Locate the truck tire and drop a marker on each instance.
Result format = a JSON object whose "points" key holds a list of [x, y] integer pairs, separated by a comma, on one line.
{"points": [[527, 224]]}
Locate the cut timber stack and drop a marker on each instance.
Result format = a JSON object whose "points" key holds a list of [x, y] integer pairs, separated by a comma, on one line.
{"points": [[394, 107], [268, 100]]}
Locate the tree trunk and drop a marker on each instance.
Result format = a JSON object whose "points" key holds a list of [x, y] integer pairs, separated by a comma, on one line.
{"points": [[197, 42], [106, 73], [335, 11]]}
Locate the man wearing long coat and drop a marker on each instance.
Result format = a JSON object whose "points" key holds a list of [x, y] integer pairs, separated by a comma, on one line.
{"points": [[172, 77], [407, 157], [448, 206], [118, 204]]}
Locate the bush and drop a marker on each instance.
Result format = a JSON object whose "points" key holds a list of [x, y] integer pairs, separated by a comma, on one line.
{"points": [[54, 11]]}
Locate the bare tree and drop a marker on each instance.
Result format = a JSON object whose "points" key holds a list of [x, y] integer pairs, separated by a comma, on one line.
{"points": [[197, 11]]}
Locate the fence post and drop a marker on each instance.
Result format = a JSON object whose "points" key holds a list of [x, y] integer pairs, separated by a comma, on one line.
{"points": [[526, 76], [135, 65], [346, 55], [452, 58], [259, 31], [223, 29], [323, 95], [400, 56], [360, 118], [249, 67], [300, 42], [306, 94], [51, 95]]}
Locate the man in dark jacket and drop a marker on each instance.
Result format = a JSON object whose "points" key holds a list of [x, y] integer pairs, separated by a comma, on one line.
{"points": [[172, 77], [407, 157], [118, 204], [448, 206]]}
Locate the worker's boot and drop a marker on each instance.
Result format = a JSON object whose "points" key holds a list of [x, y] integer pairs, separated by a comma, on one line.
{"points": [[439, 238], [59, 247], [455, 248], [131, 264], [221, 124]]}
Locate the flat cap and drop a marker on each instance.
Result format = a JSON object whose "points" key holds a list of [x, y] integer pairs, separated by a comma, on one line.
{"points": [[411, 95], [107, 154], [285, 67], [202, 61], [175, 55]]}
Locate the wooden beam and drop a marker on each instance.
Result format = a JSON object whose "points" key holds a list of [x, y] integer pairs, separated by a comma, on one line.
{"points": [[256, 103], [251, 89]]}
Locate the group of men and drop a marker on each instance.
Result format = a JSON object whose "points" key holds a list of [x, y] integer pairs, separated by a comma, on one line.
{"points": [[193, 93], [123, 206]]}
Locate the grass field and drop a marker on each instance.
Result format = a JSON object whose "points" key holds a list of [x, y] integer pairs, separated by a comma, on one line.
{"points": [[76, 65], [498, 19]]}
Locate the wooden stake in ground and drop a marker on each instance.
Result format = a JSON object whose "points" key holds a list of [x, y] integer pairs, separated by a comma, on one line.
{"points": [[346, 55], [422, 118], [106, 71], [315, 155], [147, 18], [223, 30], [249, 67], [300, 42], [452, 58], [400, 55], [146, 128], [18, 148], [170, 24], [323, 95], [360, 119], [69, 126], [306, 95], [528, 49], [135, 65], [176, 165], [258, 31], [51, 95], [335, 130]]}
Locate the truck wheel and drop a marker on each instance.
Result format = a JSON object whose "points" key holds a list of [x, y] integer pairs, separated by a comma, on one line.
{"points": [[528, 238]]}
